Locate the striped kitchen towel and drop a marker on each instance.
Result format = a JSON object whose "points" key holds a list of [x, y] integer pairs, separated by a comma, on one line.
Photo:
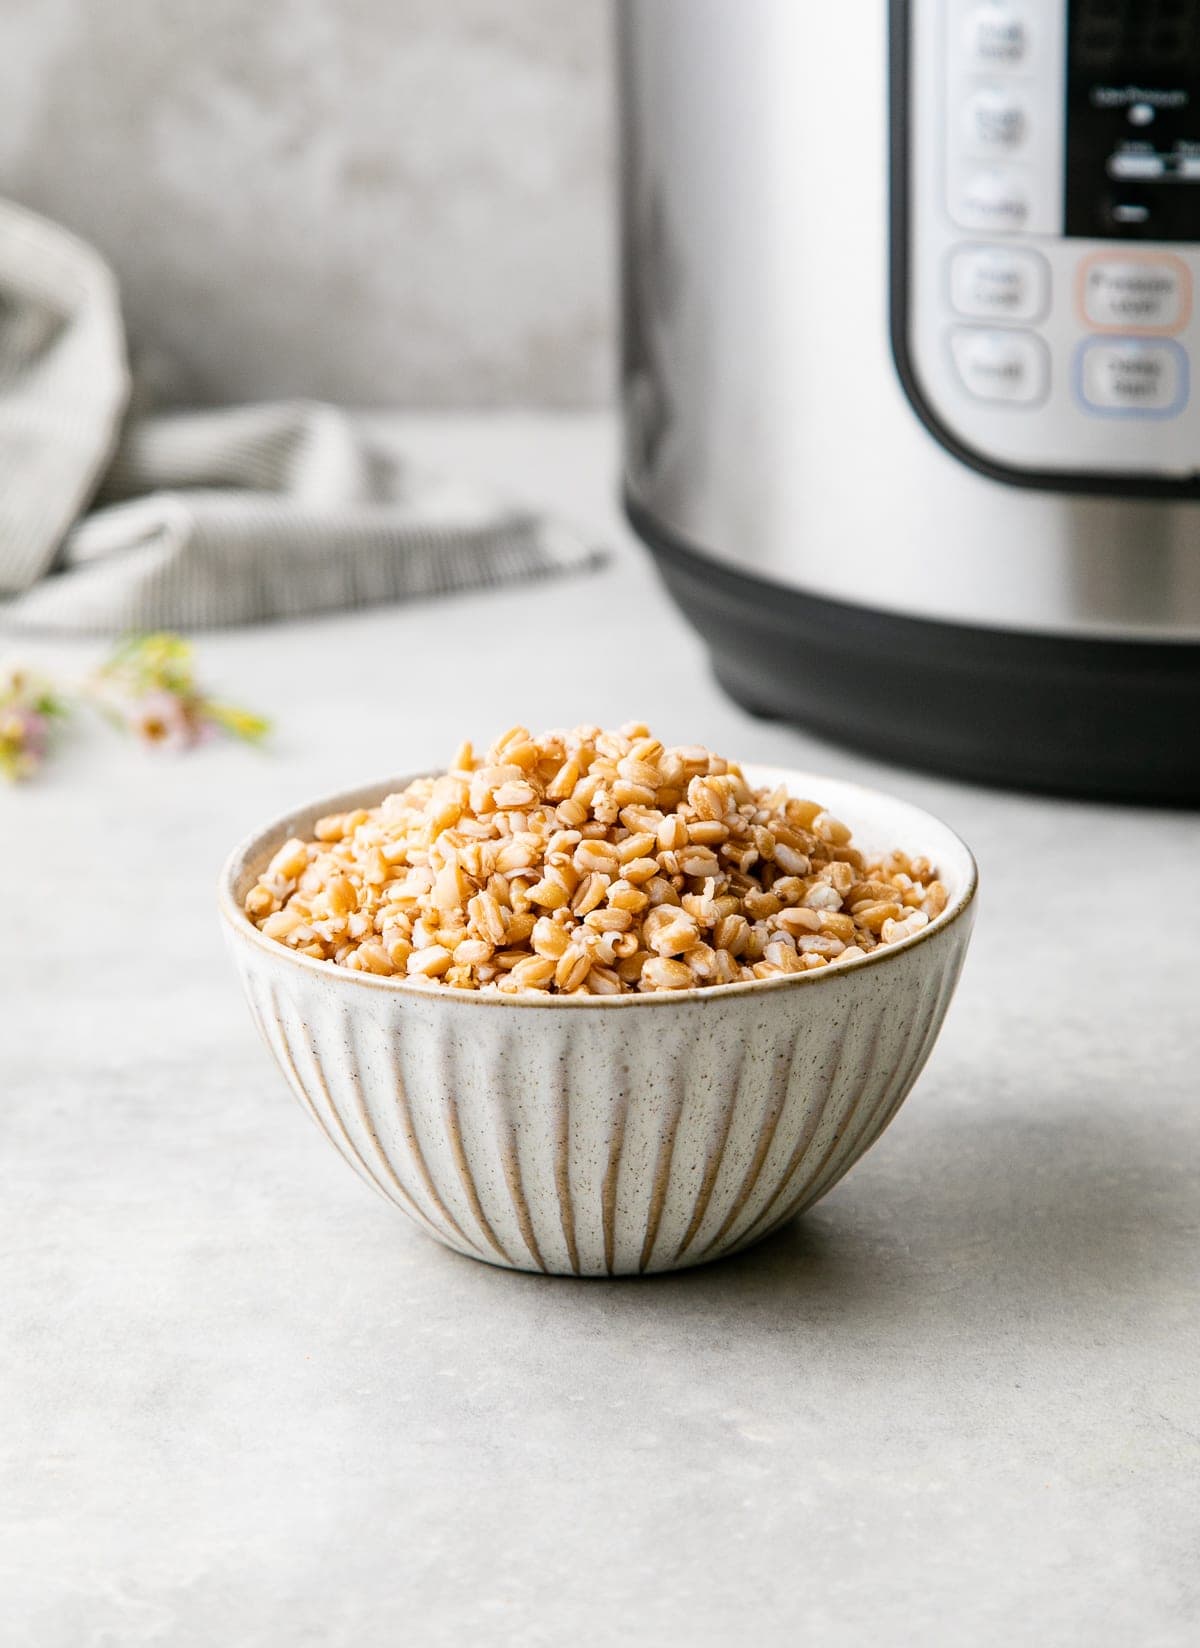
{"points": [[113, 520]]}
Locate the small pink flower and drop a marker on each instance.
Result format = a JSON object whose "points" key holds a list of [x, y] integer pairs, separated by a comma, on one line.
{"points": [[28, 708], [161, 719], [34, 733]]}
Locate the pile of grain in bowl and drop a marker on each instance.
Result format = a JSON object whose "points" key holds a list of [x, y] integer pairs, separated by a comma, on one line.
{"points": [[589, 862]]}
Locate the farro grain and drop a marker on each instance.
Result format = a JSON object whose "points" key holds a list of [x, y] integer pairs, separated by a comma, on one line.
{"points": [[588, 861], [661, 974]]}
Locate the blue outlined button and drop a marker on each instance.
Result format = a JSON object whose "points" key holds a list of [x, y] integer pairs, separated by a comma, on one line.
{"points": [[1131, 377]]}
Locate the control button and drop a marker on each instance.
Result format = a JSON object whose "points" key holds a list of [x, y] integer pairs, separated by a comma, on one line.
{"points": [[995, 200], [1130, 377], [996, 38], [998, 283], [1134, 167], [1132, 294], [994, 122], [1001, 366], [1129, 214]]}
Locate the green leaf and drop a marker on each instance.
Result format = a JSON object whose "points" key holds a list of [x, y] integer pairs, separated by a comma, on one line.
{"points": [[239, 723]]}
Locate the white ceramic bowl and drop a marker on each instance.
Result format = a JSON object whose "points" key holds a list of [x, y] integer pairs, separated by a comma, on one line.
{"points": [[609, 1135]]}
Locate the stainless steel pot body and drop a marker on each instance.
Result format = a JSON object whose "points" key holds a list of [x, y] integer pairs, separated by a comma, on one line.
{"points": [[766, 425]]}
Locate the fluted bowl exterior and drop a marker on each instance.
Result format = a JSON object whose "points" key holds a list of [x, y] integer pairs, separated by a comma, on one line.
{"points": [[606, 1136]]}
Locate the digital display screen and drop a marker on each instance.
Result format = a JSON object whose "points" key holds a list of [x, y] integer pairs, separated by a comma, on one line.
{"points": [[1133, 119], [1138, 37]]}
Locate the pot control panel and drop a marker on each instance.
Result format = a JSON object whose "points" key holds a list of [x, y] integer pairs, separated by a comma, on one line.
{"points": [[1046, 247]]}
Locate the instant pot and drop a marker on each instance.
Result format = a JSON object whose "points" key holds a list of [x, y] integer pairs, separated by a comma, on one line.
{"points": [[910, 339]]}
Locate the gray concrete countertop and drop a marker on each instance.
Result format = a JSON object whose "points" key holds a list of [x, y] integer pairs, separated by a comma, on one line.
{"points": [[242, 1403]]}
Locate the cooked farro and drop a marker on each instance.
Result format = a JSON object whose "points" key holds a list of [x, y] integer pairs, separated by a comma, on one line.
{"points": [[588, 862]]}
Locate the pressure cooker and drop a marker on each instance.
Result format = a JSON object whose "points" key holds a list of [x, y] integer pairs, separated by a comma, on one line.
{"points": [[911, 343]]}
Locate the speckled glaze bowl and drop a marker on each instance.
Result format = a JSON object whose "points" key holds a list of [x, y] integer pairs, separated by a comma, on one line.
{"points": [[609, 1135]]}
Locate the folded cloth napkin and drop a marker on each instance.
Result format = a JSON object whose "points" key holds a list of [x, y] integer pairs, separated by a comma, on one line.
{"points": [[214, 517]]}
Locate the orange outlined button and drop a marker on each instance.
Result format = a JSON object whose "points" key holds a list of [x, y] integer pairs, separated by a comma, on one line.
{"points": [[1146, 294]]}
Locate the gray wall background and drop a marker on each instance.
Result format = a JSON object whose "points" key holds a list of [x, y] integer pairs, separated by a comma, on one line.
{"points": [[385, 202]]}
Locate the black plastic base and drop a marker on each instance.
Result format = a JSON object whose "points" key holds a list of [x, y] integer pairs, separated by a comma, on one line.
{"points": [[1109, 719]]}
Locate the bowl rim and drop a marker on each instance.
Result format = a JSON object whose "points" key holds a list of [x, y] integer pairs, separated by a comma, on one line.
{"points": [[241, 927]]}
